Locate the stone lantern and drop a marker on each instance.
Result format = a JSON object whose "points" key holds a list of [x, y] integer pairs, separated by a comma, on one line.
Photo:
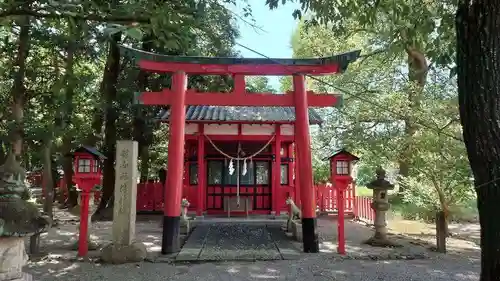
{"points": [[18, 219], [380, 205]]}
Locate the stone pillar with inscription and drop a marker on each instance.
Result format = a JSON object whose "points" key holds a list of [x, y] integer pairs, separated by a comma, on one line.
{"points": [[124, 248]]}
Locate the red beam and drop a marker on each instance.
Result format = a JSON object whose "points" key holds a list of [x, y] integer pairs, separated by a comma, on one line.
{"points": [[244, 69], [264, 138], [236, 99], [253, 122]]}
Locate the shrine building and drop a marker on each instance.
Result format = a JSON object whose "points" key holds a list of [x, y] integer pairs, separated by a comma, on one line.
{"points": [[245, 138]]}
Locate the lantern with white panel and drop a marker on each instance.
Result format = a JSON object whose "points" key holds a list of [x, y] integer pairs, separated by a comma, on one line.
{"points": [[341, 163]]}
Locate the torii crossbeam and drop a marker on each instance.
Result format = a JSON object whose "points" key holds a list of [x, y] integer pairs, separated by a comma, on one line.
{"points": [[179, 96]]}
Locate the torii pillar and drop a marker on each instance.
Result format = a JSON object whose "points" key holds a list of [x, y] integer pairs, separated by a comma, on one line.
{"points": [[173, 186], [303, 142]]}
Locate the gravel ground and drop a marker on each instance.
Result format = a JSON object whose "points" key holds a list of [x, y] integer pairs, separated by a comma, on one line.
{"points": [[323, 266], [314, 267]]}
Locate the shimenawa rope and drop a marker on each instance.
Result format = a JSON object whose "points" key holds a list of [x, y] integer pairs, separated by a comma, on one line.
{"points": [[238, 158]]}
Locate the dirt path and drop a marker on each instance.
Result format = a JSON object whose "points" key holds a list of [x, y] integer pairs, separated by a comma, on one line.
{"points": [[465, 236]]}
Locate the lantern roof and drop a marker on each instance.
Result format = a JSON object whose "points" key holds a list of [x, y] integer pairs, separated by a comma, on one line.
{"points": [[342, 151], [380, 182], [91, 150]]}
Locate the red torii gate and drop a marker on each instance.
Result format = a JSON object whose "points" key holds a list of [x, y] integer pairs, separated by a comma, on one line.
{"points": [[179, 96]]}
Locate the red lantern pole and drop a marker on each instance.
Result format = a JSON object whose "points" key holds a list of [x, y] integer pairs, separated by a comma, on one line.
{"points": [[340, 221], [83, 247]]}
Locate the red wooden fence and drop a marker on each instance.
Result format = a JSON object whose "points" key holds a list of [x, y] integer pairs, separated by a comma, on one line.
{"points": [[150, 196], [363, 210], [359, 206], [326, 198]]}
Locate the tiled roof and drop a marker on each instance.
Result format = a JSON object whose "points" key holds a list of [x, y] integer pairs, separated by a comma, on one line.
{"points": [[91, 150], [241, 113], [342, 151]]}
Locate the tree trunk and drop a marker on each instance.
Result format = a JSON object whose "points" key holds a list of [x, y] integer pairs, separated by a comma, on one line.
{"points": [[478, 74], [18, 90], [67, 117], [3, 152], [94, 137], [110, 81], [443, 203], [48, 180], [26, 161], [417, 74], [142, 130], [446, 210]]}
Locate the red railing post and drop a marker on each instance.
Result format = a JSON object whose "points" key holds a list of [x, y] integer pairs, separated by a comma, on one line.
{"points": [[362, 202], [320, 197], [353, 192], [368, 209], [354, 209], [335, 195]]}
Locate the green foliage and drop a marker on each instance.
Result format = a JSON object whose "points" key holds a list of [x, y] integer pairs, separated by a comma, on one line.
{"points": [[370, 123], [259, 84], [205, 28], [396, 25], [363, 191], [380, 97], [321, 166]]}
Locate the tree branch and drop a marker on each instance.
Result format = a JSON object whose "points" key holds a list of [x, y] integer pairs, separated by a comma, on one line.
{"points": [[449, 124], [374, 53], [90, 17]]}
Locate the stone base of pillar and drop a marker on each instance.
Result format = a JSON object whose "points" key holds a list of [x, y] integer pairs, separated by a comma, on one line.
{"points": [[24, 277], [120, 254], [296, 230], [272, 215], [185, 227], [92, 245], [289, 225], [12, 259]]}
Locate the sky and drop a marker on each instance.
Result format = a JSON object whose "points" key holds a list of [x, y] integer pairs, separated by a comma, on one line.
{"points": [[274, 36]]}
